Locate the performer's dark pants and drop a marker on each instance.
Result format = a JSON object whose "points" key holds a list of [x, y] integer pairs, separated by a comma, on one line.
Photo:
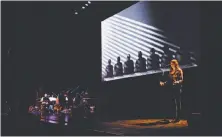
{"points": [[177, 90]]}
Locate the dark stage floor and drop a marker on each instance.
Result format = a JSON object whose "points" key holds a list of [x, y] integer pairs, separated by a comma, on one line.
{"points": [[54, 124], [50, 125]]}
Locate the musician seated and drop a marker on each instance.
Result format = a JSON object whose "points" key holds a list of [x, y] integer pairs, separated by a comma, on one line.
{"points": [[51, 107], [45, 98]]}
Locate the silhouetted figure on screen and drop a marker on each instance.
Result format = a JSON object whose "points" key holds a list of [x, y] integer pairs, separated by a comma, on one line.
{"points": [[140, 63], [191, 59], [164, 62], [128, 66], [109, 69], [169, 54], [118, 68], [181, 57], [154, 60]]}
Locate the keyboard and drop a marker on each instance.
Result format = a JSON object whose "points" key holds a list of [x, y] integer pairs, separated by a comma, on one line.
{"points": [[148, 72]]}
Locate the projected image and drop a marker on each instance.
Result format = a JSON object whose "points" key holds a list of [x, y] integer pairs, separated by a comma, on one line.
{"points": [[133, 46]]}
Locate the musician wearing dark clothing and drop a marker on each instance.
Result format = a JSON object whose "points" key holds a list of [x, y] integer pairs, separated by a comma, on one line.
{"points": [[154, 60], [118, 68], [174, 81], [62, 99], [140, 63], [45, 98], [128, 66], [109, 69]]}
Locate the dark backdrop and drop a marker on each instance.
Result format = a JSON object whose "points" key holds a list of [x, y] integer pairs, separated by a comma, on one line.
{"points": [[51, 47]]}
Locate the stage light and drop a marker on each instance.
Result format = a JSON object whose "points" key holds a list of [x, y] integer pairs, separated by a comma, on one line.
{"points": [[76, 13], [83, 7], [86, 4], [89, 2]]}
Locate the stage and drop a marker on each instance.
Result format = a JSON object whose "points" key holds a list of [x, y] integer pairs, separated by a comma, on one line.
{"points": [[66, 124], [144, 127]]}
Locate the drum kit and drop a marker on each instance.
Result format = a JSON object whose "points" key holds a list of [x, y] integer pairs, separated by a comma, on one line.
{"points": [[49, 105], [61, 104]]}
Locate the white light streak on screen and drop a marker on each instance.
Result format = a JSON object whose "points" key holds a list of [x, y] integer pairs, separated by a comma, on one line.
{"points": [[112, 20], [141, 29], [138, 23], [131, 39], [138, 38]]}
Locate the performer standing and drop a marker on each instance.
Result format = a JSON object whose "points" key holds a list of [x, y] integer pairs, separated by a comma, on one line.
{"points": [[175, 80]]}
